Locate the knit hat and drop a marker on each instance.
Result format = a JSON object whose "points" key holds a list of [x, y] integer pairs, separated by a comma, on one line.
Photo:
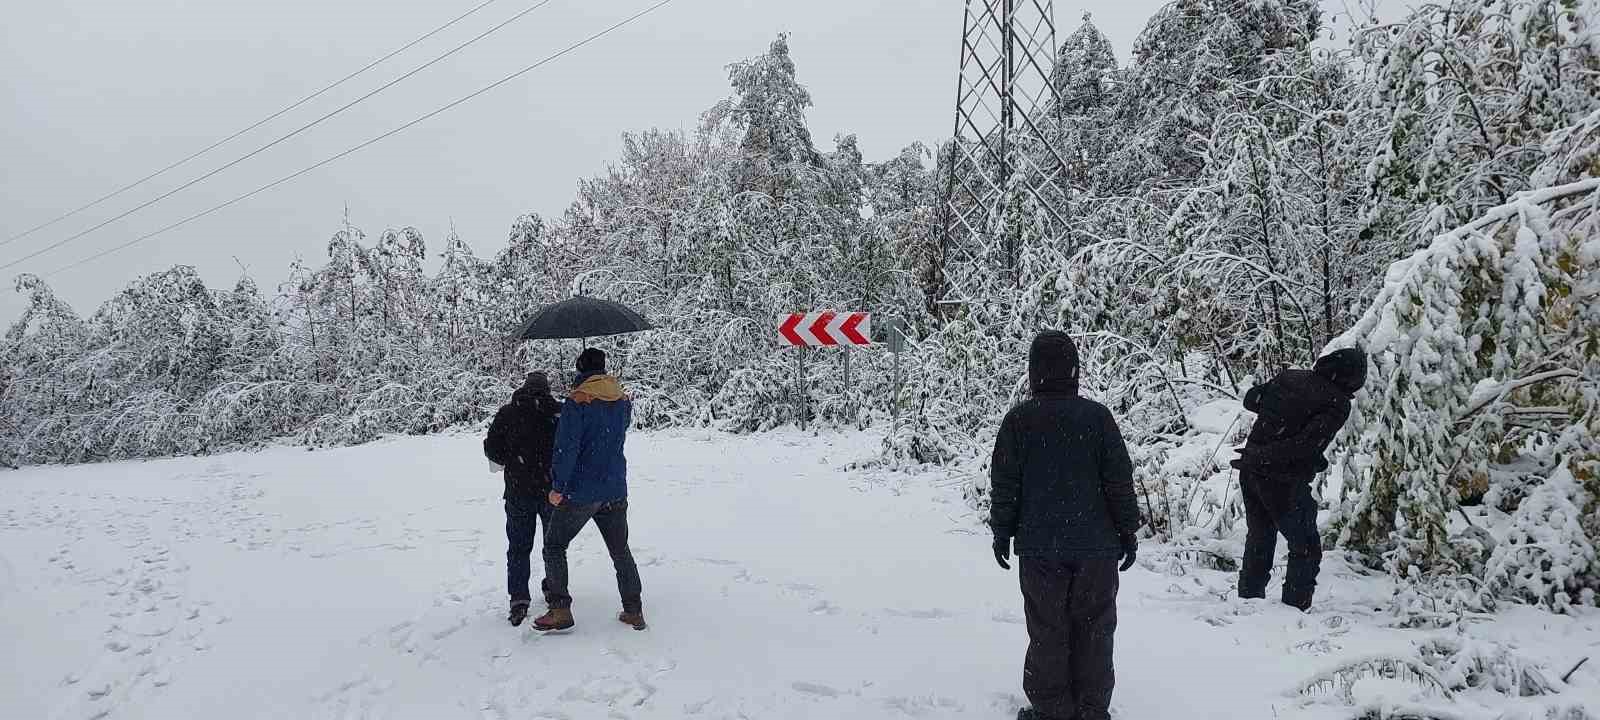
{"points": [[592, 360]]}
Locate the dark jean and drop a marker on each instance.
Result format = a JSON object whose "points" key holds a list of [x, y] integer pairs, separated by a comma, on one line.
{"points": [[522, 525], [1273, 506], [1071, 609], [566, 520]]}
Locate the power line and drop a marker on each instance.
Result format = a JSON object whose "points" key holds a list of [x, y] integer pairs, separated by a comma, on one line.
{"points": [[363, 145], [257, 124], [276, 142]]}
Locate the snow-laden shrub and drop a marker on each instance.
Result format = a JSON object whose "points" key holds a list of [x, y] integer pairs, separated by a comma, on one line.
{"points": [[958, 386], [1183, 480], [1339, 680], [1438, 600], [1548, 556], [760, 398], [1424, 711], [1464, 663], [1446, 667]]}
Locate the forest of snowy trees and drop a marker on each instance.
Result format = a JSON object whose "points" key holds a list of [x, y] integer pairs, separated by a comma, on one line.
{"points": [[1241, 196]]}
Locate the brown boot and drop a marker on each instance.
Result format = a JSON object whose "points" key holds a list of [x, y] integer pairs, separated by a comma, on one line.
{"points": [[556, 620], [634, 619]]}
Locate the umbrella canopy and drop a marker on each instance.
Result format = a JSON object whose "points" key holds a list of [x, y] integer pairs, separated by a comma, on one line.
{"points": [[581, 317]]}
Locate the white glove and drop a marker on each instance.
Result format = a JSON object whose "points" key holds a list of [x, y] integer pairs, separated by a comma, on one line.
{"points": [[496, 468]]}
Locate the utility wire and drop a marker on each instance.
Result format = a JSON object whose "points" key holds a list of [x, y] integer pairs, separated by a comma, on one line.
{"points": [[352, 150], [257, 124], [276, 142]]}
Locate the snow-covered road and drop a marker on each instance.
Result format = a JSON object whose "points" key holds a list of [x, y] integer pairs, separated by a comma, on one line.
{"points": [[368, 583]]}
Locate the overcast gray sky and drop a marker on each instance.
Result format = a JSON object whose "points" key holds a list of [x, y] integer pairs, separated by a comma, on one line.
{"points": [[98, 93]]}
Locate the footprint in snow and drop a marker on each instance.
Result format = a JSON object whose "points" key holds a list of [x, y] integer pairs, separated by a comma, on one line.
{"points": [[933, 614], [801, 589], [609, 691], [823, 607], [815, 689], [1009, 617], [1007, 703], [918, 706]]}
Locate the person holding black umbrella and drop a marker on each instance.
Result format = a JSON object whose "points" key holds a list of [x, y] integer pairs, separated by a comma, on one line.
{"points": [[590, 482], [521, 439]]}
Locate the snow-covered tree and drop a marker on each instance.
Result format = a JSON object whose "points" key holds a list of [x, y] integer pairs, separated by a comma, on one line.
{"points": [[1487, 378]]}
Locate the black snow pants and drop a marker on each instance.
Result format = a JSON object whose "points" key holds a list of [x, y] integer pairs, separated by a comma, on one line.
{"points": [[1273, 506], [1071, 608]]}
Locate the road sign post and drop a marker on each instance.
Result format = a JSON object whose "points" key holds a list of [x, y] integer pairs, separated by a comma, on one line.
{"points": [[897, 344], [894, 400], [802, 392]]}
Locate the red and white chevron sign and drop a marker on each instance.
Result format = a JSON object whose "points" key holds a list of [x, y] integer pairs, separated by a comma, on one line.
{"points": [[827, 328]]}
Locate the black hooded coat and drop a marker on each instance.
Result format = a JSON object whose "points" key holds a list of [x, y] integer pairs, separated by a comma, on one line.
{"points": [[1298, 413], [1061, 483], [522, 438]]}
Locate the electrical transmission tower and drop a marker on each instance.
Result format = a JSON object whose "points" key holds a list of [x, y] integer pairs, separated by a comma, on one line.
{"points": [[1002, 155]]}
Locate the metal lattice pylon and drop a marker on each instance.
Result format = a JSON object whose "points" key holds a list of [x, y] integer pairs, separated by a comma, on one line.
{"points": [[1001, 149]]}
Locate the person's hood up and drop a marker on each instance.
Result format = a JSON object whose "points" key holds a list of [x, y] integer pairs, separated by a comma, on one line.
{"points": [[1053, 363], [535, 390], [1346, 369], [603, 388]]}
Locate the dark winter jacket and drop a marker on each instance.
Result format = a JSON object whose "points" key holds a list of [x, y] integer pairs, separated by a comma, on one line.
{"points": [[589, 463], [1061, 484], [522, 437], [1298, 413]]}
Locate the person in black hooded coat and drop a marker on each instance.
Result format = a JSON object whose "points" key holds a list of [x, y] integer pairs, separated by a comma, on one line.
{"points": [[1298, 413], [1061, 488], [521, 438]]}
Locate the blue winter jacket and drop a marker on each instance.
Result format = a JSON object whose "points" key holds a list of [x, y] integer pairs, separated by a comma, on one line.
{"points": [[589, 465]]}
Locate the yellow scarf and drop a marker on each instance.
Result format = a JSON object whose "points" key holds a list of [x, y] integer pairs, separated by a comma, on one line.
{"points": [[599, 387]]}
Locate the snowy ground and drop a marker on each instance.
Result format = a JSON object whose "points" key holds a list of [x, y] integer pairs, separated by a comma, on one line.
{"points": [[367, 582]]}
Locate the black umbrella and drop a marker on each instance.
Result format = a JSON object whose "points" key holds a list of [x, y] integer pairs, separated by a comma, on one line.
{"points": [[581, 317]]}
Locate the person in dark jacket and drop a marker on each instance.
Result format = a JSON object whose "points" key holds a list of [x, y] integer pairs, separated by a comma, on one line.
{"points": [[1061, 490], [591, 483], [1298, 413], [521, 439]]}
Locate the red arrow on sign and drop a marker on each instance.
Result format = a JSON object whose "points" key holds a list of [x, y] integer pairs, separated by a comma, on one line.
{"points": [[850, 332], [788, 326], [820, 328]]}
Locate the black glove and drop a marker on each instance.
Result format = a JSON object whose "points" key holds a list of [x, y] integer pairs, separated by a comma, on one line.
{"points": [[1130, 551], [1002, 551], [1245, 460]]}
